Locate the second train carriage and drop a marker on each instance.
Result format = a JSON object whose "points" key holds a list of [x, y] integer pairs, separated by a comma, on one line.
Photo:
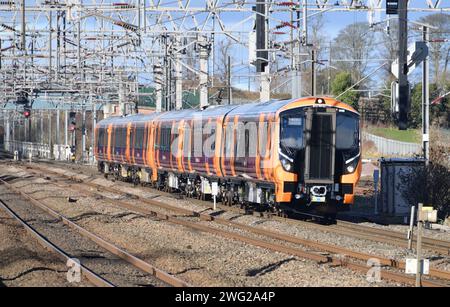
{"points": [[297, 152]]}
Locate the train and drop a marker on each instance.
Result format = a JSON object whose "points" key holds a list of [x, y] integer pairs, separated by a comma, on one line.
{"points": [[303, 154]]}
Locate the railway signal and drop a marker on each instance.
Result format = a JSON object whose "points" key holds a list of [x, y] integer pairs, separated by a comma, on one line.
{"points": [[417, 53], [26, 112], [72, 121], [403, 86]]}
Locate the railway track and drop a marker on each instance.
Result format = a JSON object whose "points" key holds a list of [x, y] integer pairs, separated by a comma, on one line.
{"points": [[352, 260], [433, 244], [96, 279], [93, 277], [341, 227]]}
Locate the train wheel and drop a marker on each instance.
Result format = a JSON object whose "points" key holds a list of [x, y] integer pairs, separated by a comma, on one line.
{"points": [[229, 198], [224, 200], [136, 180]]}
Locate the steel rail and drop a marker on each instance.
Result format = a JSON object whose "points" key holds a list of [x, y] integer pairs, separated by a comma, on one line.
{"points": [[363, 232], [399, 235], [135, 261], [261, 243], [275, 235], [94, 278]]}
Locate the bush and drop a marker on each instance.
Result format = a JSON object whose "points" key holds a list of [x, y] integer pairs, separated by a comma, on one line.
{"points": [[430, 184], [341, 83]]}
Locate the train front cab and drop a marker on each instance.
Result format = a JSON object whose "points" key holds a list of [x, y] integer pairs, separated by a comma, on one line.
{"points": [[319, 155]]}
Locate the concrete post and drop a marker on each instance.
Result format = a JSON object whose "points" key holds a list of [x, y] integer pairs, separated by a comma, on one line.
{"points": [[41, 119], [66, 132], [178, 77], [57, 141], [264, 94], [94, 123], [8, 131], [50, 130], [157, 77], [296, 90], [203, 71], [83, 135]]}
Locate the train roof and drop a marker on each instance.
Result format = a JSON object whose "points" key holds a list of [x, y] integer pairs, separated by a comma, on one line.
{"points": [[270, 106], [250, 109], [128, 118]]}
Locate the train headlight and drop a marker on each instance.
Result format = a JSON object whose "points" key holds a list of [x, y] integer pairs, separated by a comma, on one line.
{"points": [[350, 165], [286, 165], [350, 169], [320, 101]]}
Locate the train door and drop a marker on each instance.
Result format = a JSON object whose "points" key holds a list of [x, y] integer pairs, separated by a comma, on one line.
{"points": [[109, 150], [320, 145], [129, 150]]}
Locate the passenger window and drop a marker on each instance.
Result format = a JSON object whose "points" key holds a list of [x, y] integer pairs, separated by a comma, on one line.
{"points": [[139, 138], [228, 139]]}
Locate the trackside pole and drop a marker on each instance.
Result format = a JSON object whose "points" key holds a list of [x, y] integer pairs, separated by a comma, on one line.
{"points": [[214, 192], [411, 227], [376, 177], [419, 246]]}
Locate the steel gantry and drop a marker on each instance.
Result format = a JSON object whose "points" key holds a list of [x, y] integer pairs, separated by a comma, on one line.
{"points": [[104, 52]]}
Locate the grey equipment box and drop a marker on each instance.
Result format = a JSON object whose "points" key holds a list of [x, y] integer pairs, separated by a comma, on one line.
{"points": [[391, 199]]}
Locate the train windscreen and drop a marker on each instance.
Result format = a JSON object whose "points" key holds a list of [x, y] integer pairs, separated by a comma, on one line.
{"points": [[347, 132], [291, 134]]}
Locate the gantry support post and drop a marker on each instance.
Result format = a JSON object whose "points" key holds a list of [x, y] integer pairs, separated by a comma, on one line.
{"points": [[203, 46], [178, 76]]}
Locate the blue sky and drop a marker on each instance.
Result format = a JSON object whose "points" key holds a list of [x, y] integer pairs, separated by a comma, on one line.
{"points": [[334, 22]]}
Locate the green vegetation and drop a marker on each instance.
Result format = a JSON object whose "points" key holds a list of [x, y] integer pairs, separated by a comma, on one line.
{"points": [[341, 82], [410, 136], [439, 113]]}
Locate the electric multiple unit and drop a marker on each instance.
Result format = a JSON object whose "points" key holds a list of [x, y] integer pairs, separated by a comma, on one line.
{"points": [[301, 153]]}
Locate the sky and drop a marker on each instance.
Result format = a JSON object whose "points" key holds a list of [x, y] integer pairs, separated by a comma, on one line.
{"points": [[334, 22]]}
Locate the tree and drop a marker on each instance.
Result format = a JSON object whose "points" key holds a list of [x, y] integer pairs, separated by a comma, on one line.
{"points": [[439, 49], [389, 49], [352, 47], [439, 114], [223, 49], [341, 82]]}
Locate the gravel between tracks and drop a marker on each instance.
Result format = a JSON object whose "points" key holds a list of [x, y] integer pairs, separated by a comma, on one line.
{"points": [[300, 230], [90, 254], [199, 258], [24, 262]]}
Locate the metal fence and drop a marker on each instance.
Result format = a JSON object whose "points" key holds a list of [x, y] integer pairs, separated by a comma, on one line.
{"points": [[24, 149], [391, 147], [42, 151]]}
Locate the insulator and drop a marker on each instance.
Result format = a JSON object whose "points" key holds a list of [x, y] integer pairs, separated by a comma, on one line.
{"points": [[8, 27], [286, 3]]}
